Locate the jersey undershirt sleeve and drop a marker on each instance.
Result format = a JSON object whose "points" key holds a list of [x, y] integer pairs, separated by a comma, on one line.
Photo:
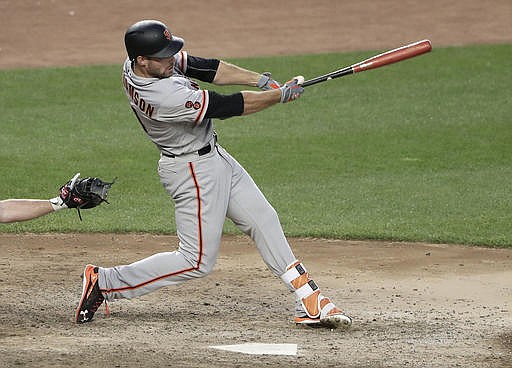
{"points": [[196, 67], [224, 106]]}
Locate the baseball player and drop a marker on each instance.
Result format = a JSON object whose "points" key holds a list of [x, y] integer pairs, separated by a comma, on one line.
{"points": [[206, 183], [74, 194]]}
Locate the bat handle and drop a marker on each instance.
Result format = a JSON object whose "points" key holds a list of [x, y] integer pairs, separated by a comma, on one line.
{"points": [[336, 74]]}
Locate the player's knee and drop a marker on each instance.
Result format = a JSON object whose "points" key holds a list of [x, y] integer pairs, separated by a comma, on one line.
{"points": [[268, 216], [201, 266], [205, 268], [267, 219]]}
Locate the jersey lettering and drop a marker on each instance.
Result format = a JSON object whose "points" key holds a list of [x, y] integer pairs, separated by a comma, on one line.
{"points": [[145, 107], [171, 110]]}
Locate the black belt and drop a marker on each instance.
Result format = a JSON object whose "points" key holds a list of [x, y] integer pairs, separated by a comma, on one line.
{"points": [[203, 151]]}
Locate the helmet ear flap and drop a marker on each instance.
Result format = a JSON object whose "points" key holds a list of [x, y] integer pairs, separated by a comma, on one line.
{"points": [[151, 38]]}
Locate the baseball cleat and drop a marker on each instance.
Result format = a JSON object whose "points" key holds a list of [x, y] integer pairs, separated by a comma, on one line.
{"points": [[91, 298], [334, 319], [313, 308]]}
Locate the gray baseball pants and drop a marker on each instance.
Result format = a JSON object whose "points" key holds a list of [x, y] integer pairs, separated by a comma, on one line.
{"points": [[206, 189]]}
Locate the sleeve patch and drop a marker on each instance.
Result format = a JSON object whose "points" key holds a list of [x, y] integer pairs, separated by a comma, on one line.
{"points": [[193, 105]]}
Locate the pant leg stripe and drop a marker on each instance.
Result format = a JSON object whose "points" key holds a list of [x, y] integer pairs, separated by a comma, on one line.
{"points": [[126, 288], [199, 215], [200, 239]]}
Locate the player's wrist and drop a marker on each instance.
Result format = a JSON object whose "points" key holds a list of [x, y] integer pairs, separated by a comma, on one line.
{"points": [[57, 203]]}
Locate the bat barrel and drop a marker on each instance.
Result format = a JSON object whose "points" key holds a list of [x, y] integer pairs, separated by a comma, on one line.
{"points": [[389, 57], [393, 56]]}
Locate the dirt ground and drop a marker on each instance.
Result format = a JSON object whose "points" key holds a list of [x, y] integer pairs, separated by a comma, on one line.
{"points": [[413, 305]]}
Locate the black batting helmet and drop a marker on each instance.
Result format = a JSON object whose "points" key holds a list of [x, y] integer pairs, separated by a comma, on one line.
{"points": [[151, 38]]}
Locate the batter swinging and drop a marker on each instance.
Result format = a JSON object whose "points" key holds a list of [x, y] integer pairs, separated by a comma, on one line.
{"points": [[206, 183]]}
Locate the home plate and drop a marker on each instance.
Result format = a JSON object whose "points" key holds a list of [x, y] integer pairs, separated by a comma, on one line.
{"points": [[260, 349]]}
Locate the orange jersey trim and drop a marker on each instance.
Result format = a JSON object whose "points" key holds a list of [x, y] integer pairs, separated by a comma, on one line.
{"points": [[182, 63], [200, 116]]}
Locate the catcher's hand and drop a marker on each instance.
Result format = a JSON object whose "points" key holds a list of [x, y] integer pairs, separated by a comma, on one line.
{"points": [[84, 193]]}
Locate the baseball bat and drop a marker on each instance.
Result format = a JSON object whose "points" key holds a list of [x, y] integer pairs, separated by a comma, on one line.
{"points": [[386, 58]]}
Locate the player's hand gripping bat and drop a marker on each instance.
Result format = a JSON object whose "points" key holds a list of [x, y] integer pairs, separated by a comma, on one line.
{"points": [[389, 57]]}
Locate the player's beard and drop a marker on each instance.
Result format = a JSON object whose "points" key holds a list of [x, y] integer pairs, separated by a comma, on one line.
{"points": [[167, 72], [161, 73]]}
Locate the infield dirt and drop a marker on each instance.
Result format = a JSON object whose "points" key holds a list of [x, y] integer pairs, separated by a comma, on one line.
{"points": [[413, 305]]}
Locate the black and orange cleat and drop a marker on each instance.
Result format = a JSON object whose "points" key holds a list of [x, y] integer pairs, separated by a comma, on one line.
{"points": [[91, 298]]}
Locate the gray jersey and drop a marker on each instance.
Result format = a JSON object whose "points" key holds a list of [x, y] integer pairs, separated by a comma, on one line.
{"points": [[171, 110]]}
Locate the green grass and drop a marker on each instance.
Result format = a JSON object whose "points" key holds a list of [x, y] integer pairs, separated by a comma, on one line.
{"points": [[416, 151]]}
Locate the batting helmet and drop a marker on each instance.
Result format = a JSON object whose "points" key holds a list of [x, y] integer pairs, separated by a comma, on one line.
{"points": [[151, 38]]}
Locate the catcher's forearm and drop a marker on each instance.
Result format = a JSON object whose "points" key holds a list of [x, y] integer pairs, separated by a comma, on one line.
{"points": [[13, 210]]}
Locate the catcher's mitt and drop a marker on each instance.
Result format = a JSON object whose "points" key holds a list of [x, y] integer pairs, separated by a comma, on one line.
{"points": [[84, 193]]}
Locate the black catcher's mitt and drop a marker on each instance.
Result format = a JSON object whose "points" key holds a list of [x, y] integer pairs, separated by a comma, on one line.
{"points": [[84, 193]]}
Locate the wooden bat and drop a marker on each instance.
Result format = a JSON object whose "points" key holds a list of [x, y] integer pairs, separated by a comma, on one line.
{"points": [[389, 57]]}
